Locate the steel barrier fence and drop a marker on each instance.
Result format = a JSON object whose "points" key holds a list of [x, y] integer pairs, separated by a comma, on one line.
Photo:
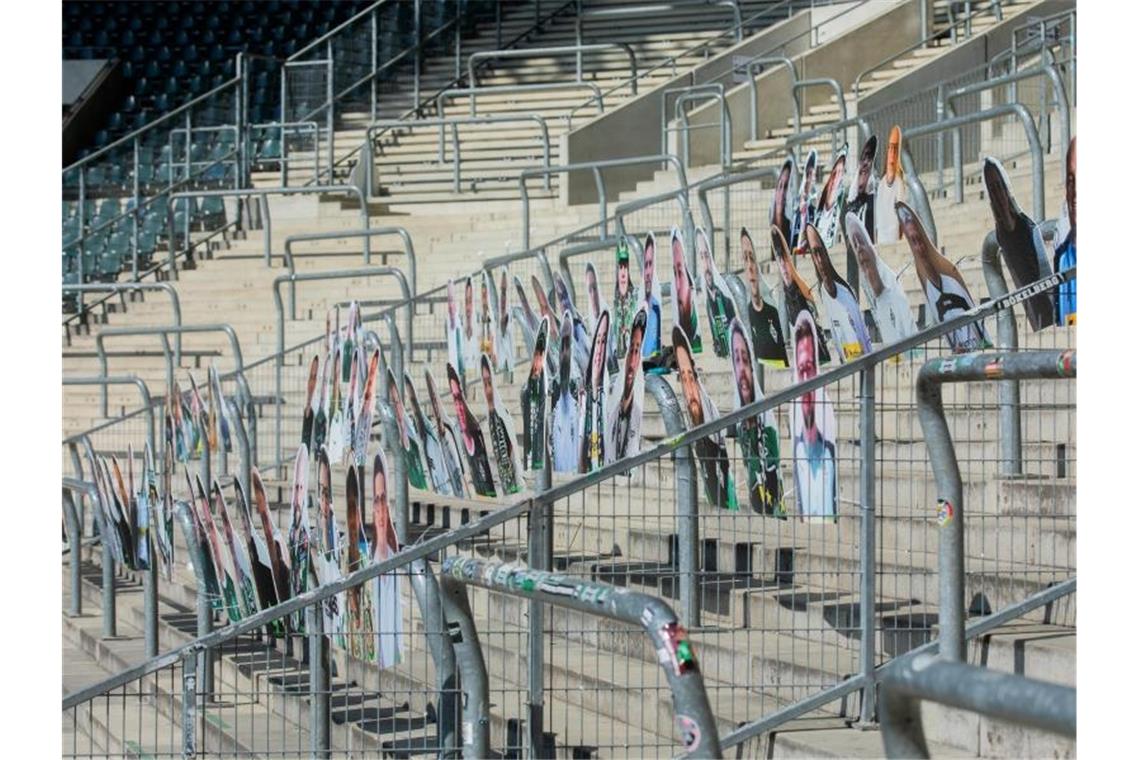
{"points": [[777, 601]]}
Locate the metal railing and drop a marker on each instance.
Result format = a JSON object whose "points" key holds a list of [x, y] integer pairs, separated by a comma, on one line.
{"points": [[491, 55], [284, 128], [753, 68], [131, 287], [472, 93], [105, 380], [454, 122]]}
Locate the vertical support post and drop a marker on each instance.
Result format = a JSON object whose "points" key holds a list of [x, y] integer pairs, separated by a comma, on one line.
{"points": [[498, 28], [189, 706], [329, 116], [458, 49], [150, 604], [82, 235], [319, 688], [867, 543], [266, 229], [1009, 391], [578, 52], [540, 552], [205, 620], [186, 179], [939, 115], [456, 182], [135, 217], [472, 669], [75, 541], [416, 64], [109, 622], [372, 83]]}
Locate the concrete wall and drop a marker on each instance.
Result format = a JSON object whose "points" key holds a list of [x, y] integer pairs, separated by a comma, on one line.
{"points": [[894, 28], [634, 128]]}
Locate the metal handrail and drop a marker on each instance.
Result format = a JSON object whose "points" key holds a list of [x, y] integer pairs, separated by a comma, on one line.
{"points": [[299, 127], [754, 68], [953, 29], [1038, 704], [638, 9], [726, 180], [105, 380], [454, 122], [650, 613], [366, 234], [707, 87], [595, 167], [472, 92], [336, 29], [526, 504], [682, 197], [725, 123], [488, 55], [127, 287], [263, 194], [944, 463], [803, 84]]}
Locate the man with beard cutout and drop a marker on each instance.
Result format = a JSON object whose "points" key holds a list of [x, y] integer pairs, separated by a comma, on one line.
{"points": [[564, 427], [471, 439], [763, 318], [623, 421], [797, 295], [712, 456]]}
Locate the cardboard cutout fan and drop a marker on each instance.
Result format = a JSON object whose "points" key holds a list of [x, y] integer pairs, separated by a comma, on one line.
{"points": [[310, 393], [544, 309], [504, 326], [831, 199], [222, 413], [387, 605], [942, 283], [796, 296], [300, 535], [1065, 252], [651, 343], [592, 414], [880, 285], [763, 318], [246, 584], [840, 304], [890, 191], [564, 406], [207, 567], [1022, 247], [488, 330], [783, 207], [814, 460], [456, 351], [471, 322], [471, 439], [686, 310], [326, 553], [534, 395], [501, 428], [756, 436], [410, 443], [624, 409], [321, 418], [712, 456], [718, 298], [261, 566], [360, 633], [861, 193], [223, 564], [528, 314], [363, 428], [425, 433], [595, 301], [277, 548], [805, 202], [448, 440], [627, 299]]}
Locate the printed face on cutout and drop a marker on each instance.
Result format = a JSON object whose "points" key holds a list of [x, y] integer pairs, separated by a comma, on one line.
{"points": [[689, 382], [648, 269], [598, 366], [623, 277], [819, 257], [742, 367], [636, 336], [866, 164], [1000, 202], [592, 289], [910, 229], [865, 255], [805, 370], [488, 386], [751, 270]]}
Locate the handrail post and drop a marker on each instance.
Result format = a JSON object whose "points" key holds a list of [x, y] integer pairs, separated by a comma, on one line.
{"points": [[685, 485], [329, 116], [319, 684], [372, 82], [867, 543], [1009, 391], [189, 721], [203, 609], [456, 159], [82, 235], [135, 215], [540, 556], [472, 670], [150, 601], [266, 229], [75, 542], [110, 624]]}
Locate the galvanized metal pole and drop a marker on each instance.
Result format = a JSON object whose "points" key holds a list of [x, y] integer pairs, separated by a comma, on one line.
{"points": [[372, 82], [189, 705], [867, 543], [540, 554], [416, 63], [150, 603], [82, 235], [685, 484], [75, 541], [135, 216], [329, 116], [472, 668], [319, 684], [110, 625], [1009, 391]]}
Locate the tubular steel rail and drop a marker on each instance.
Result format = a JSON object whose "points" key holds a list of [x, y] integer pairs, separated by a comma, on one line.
{"points": [[471, 93], [454, 122], [130, 287], [263, 193], [753, 68], [105, 380], [725, 123], [490, 55], [1037, 704], [651, 614], [943, 461]]}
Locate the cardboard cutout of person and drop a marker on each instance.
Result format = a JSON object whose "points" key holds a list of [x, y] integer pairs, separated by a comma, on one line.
{"points": [[321, 419], [651, 344], [840, 304], [890, 191], [387, 603], [581, 338], [164, 513], [685, 307], [366, 409], [805, 202], [501, 428], [595, 301], [534, 395], [626, 300], [223, 563], [448, 441], [504, 327], [261, 568], [471, 322], [1065, 254], [718, 298], [831, 198], [1022, 246], [796, 295], [945, 289], [456, 350], [880, 285], [471, 439], [212, 575], [300, 537], [278, 549], [326, 553], [543, 302], [530, 318], [783, 207], [426, 435], [247, 595], [861, 194], [222, 417], [814, 460], [765, 332], [711, 454], [488, 331], [409, 441], [592, 420], [361, 633], [756, 436], [564, 425], [624, 410]]}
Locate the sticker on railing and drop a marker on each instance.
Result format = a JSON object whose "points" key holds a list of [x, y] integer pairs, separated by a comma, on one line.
{"points": [[994, 370], [677, 651], [945, 513], [1065, 362], [690, 732]]}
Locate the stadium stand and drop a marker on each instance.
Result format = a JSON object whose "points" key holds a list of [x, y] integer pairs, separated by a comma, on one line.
{"points": [[777, 618]]}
